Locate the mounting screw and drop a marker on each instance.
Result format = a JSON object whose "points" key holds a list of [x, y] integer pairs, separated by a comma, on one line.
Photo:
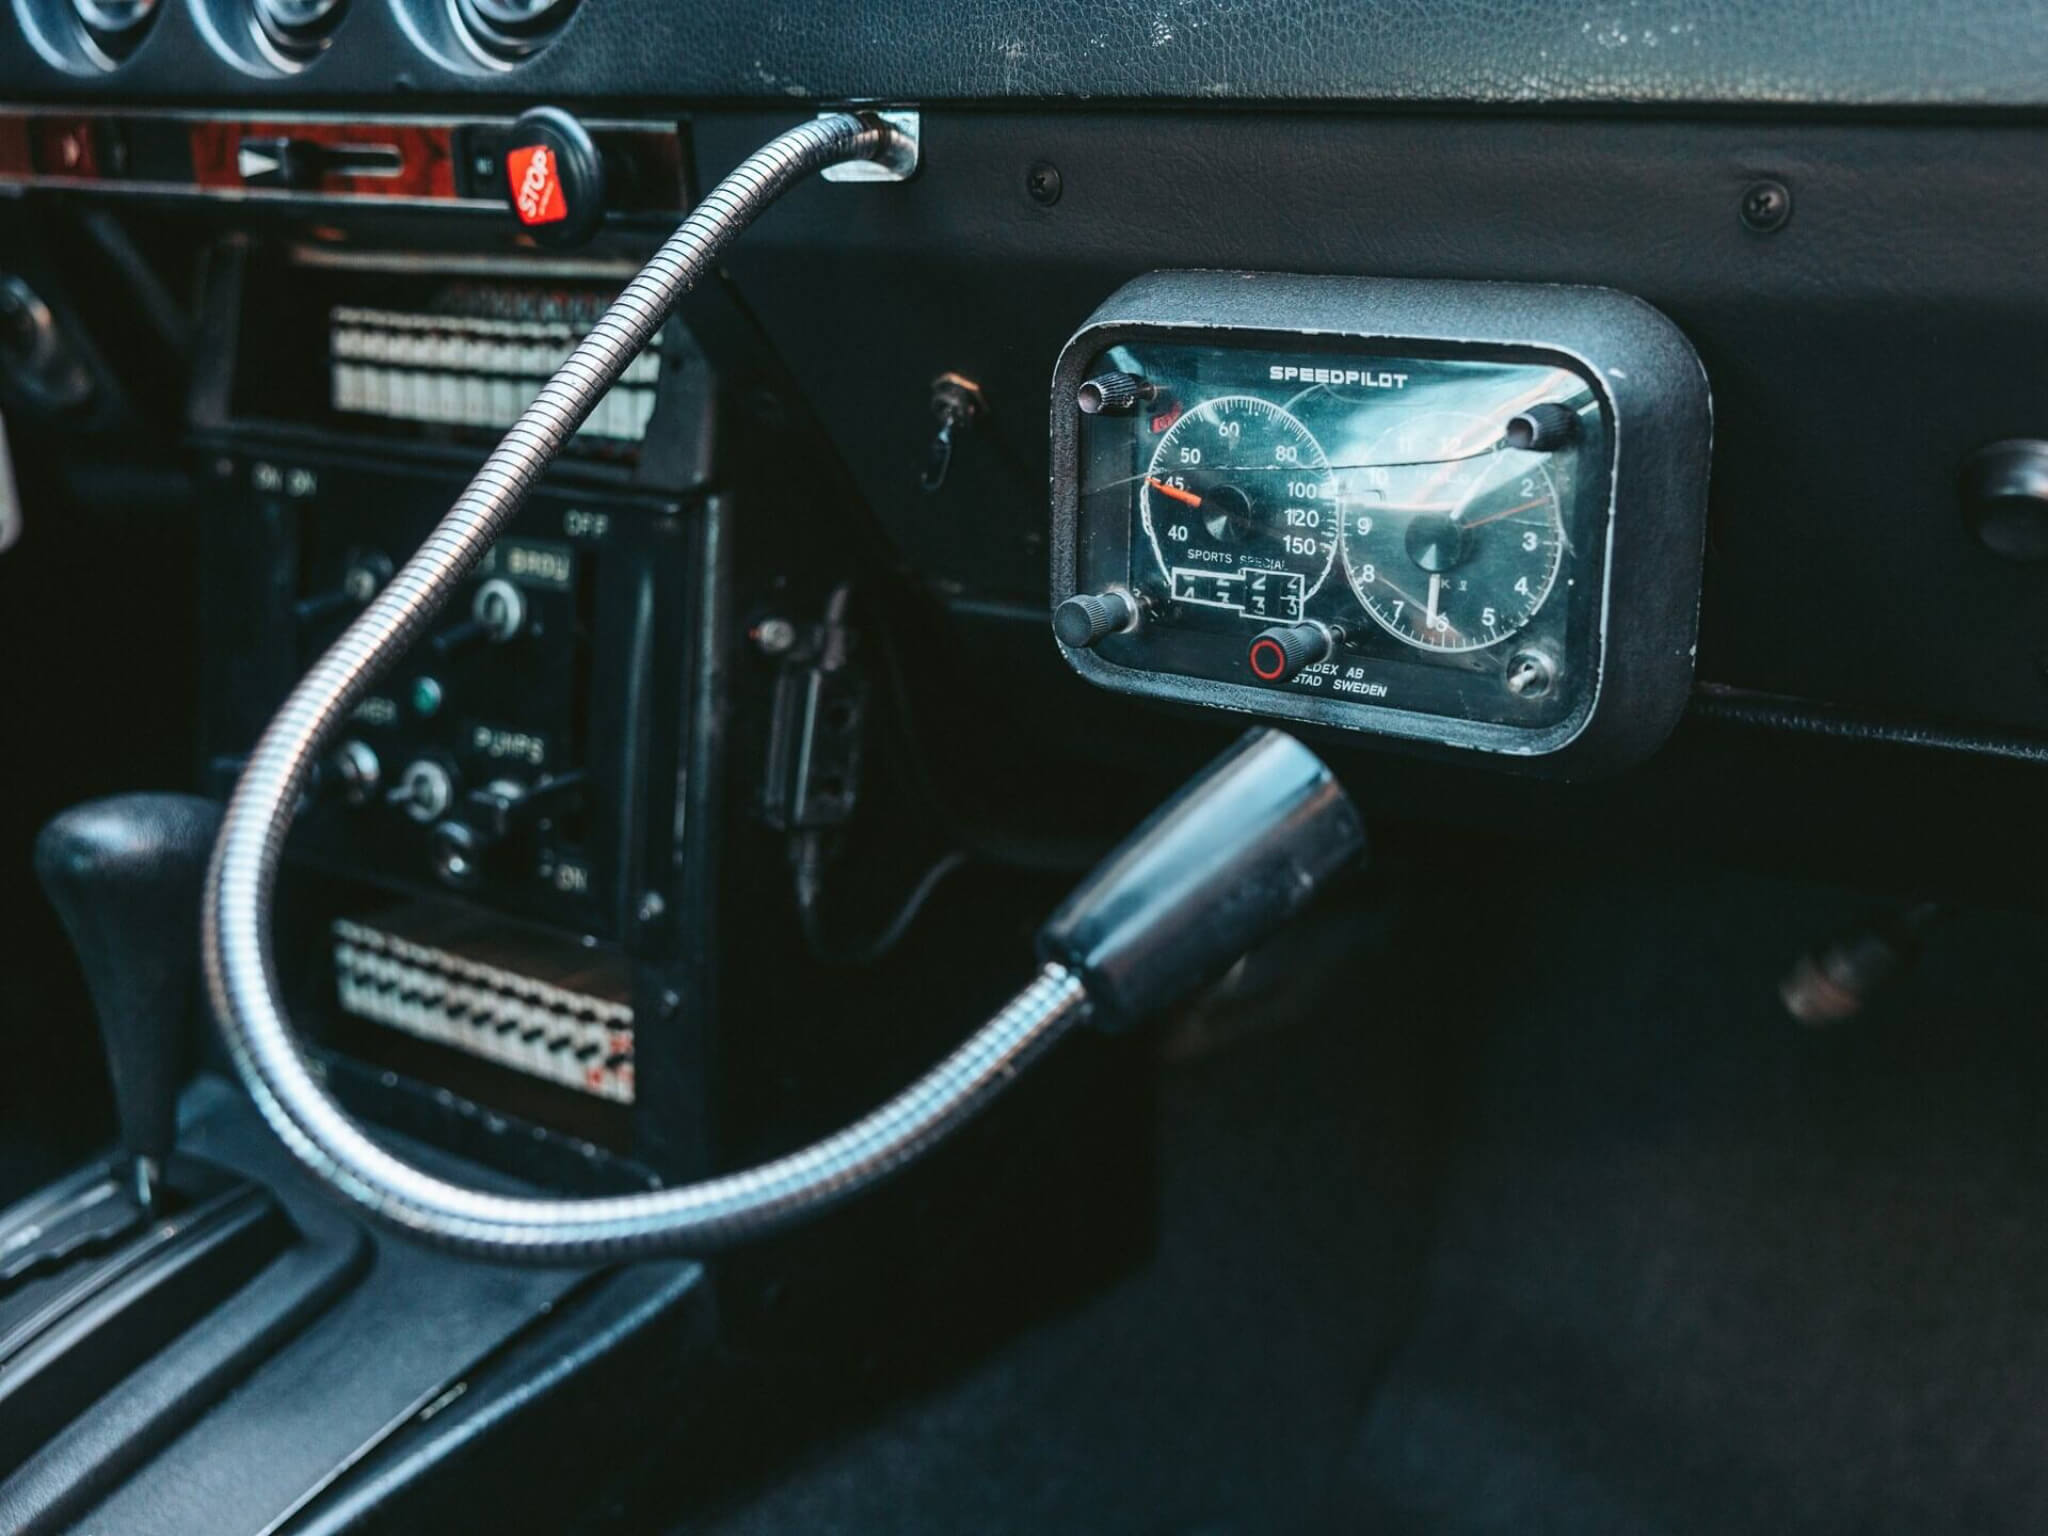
{"points": [[1042, 183], [1529, 674], [651, 907], [1766, 206], [774, 637]]}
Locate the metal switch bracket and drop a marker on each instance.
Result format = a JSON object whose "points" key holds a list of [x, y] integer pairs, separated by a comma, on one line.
{"points": [[899, 167]]}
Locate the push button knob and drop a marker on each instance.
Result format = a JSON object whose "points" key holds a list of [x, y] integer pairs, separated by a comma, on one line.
{"points": [[554, 177], [1278, 653], [361, 579]]}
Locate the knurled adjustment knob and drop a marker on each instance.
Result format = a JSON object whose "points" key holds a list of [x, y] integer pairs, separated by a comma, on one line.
{"points": [[1276, 654], [554, 177], [1088, 616], [1112, 394], [1543, 427]]}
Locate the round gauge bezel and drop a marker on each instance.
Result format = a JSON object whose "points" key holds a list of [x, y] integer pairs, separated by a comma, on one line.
{"points": [[1476, 484], [1313, 581]]}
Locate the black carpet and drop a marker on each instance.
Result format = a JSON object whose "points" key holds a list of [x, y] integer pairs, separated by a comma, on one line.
{"points": [[1548, 1223], [1699, 1271]]}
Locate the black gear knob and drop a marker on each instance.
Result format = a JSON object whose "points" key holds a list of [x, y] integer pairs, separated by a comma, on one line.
{"points": [[125, 876]]}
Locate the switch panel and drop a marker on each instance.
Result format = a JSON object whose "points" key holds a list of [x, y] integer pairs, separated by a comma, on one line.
{"points": [[511, 756], [549, 1011], [472, 370]]}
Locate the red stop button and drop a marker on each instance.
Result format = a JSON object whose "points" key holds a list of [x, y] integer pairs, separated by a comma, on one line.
{"points": [[554, 177], [536, 185]]}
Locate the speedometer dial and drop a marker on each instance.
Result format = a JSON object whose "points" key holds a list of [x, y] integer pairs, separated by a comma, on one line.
{"points": [[1452, 541], [1238, 492]]}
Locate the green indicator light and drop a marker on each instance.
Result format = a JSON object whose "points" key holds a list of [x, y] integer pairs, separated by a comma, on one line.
{"points": [[426, 696]]}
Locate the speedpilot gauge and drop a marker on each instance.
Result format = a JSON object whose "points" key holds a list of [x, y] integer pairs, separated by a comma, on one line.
{"points": [[1240, 508], [1392, 507]]}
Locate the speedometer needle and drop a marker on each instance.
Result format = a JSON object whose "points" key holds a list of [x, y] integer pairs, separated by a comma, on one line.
{"points": [[1175, 491], [1494, 517]]}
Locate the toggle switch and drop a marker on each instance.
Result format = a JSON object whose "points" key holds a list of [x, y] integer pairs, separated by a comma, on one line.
{"points": [[497, 616], [494, 814], [361, 579], [424, 791]]}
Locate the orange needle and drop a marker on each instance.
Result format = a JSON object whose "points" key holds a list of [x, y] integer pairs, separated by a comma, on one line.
{"points": [[1174, 491], [1494, 517]]}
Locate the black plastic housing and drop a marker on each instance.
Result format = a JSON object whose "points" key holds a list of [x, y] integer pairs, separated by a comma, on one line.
{"points": [[1224, 864], [1650, 387]]}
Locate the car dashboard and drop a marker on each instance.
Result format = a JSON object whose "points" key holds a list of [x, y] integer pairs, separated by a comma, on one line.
{"points": [[1602, 436]]}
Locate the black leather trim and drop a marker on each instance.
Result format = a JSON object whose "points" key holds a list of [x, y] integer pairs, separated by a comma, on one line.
{"points": [[1762, 711], [1977, 53]]}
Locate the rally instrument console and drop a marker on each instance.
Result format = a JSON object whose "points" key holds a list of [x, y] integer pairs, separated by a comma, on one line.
{"points": [[1462, 515]]}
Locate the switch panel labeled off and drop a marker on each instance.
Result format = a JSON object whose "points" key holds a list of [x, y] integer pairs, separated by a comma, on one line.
{"points": [[496, 760]]}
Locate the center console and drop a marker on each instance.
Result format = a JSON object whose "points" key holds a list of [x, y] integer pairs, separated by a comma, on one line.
{"points": [[499, 848], [496, 924]]}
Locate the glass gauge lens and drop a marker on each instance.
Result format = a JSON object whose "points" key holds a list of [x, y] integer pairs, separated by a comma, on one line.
{"points": [[1241, 508], [1452, 540]]}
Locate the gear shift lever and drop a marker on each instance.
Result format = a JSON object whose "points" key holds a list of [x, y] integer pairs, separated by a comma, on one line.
{"points": [[124, 874]]}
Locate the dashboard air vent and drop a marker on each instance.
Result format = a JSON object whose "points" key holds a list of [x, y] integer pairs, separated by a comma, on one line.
{"points": [[291, 32], [506, 31]]}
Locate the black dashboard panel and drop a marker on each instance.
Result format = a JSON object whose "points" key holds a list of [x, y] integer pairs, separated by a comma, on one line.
{"points": [[1755, 52], [1857, 356], [580, 893]]}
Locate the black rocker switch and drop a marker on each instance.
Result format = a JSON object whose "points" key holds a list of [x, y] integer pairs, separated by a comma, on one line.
{"points": [[125, 876]]}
